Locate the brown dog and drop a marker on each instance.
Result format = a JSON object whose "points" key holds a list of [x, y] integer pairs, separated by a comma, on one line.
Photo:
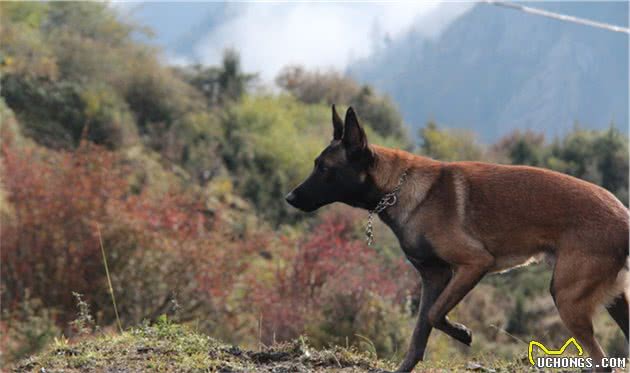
{"points": [[458, 221]]}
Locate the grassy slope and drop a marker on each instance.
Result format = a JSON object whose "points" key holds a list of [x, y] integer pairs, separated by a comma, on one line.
{"points": [[173, 348], [170, 347]]}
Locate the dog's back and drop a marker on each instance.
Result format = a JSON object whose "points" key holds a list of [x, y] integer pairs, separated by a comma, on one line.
{"points": [[540, 210]]}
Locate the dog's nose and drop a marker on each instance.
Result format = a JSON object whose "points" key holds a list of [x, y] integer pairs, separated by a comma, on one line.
{"points": [[290, 197]]}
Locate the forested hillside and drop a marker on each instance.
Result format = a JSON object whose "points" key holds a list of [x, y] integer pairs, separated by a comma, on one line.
{"points": [[177, 175], [495, 70]]}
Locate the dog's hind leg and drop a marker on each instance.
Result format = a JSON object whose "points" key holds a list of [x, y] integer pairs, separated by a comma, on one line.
{"points": [[435, 276], [618, 308], [577, 295]]}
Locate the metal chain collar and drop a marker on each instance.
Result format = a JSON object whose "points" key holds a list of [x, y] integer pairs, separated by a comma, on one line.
{"points": [[388, 200]]}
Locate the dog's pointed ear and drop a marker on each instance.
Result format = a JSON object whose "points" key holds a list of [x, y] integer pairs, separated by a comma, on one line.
{"points": [[354, 138], [337, 124]]}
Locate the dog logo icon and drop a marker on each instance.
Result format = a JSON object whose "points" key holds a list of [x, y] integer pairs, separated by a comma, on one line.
{"points": [[553, 352]]}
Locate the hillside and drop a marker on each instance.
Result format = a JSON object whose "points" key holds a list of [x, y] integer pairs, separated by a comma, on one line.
{"points": [[494, 70], [172, 348], [164, 186], [168, 347]]}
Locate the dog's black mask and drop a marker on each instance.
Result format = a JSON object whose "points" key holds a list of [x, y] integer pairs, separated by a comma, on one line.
{"points": [[340, 171]]}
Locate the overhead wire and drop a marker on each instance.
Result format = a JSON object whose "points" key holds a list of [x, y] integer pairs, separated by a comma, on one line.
{"points": [[559, 16]]}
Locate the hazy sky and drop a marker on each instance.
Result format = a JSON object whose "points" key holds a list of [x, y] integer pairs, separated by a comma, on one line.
{"points": [[271, 35]]}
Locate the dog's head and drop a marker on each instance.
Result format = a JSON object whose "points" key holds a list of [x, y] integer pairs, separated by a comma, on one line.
{"points": [[340, 173]]}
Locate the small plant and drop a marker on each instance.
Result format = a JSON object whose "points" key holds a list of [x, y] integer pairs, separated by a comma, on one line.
{"points": [[84, 323], [60, 342], [175, 308], [26, 329]]}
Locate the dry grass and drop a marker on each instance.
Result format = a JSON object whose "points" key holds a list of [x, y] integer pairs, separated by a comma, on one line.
{"points": [[168, 347]]}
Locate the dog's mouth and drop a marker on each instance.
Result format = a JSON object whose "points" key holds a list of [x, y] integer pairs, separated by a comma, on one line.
{"points": [[309, 208], [294, 201]]}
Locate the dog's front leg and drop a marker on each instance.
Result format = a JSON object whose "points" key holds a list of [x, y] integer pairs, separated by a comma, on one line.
{"points": [[434, 280], [464, 279]]}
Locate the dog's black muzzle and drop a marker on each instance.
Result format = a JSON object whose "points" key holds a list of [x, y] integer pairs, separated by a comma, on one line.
{"points": [[294, 199]]}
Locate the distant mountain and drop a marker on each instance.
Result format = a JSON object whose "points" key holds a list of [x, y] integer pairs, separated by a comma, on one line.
{"points": [[494, 70]]}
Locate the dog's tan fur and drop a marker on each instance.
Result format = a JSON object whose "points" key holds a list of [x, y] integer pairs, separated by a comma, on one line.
{"points": [[481, 218], [458, 221]]}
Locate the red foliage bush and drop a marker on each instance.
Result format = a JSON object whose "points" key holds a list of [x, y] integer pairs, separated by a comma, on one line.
{"points": [[158, 247], [49, 244], [310, 271]]}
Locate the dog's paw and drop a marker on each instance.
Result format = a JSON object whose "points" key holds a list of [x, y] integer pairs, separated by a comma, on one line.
{"points": [[406, 366], [462, 334]]}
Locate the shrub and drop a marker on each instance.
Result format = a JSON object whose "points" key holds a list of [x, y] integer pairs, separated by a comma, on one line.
{"points": [[158, 245], [331, 87], [449, 144], [59, 114], [50, 246], [527, 148], [316, 87], [332, 287], [363, 319], [26, 329], [220, 85], [270, 143]]}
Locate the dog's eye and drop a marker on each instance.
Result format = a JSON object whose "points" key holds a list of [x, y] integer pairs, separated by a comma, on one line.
{"points": [[320, 166]]}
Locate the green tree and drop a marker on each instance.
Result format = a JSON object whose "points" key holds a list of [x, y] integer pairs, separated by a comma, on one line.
{"points": [[95, 21], [317, 87], [517, 322], [448, 144], [612, 148], [331, 87], [269, 147], [24, 49], [220, 84], [380, 112], [526, 148]]}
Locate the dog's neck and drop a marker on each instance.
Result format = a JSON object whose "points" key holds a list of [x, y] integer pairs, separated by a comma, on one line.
{"points": [[388, 166]]}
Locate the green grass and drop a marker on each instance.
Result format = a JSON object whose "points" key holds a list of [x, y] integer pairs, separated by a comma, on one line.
{"points": [[169, 347]]}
